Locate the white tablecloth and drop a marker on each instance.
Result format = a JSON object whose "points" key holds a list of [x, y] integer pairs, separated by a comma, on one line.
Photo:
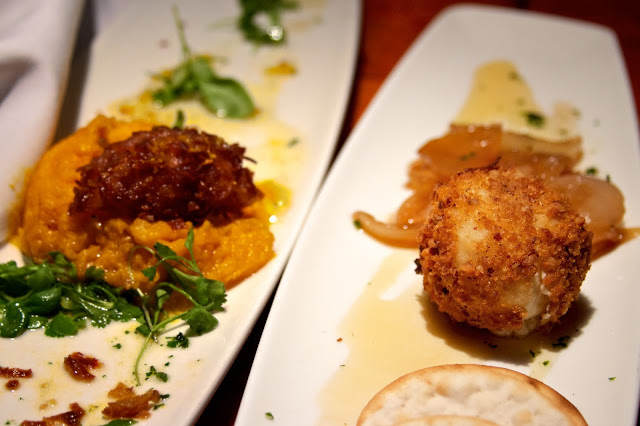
{"points": [[36, 42]]}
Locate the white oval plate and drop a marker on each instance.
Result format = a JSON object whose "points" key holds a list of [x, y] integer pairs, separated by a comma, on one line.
{"points": [[143, 40], [301, 349]]}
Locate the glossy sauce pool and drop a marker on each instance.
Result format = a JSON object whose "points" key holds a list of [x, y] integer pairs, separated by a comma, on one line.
{"points": [[392, 330]]}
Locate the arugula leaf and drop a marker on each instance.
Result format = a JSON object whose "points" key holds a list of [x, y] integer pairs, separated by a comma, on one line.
{"points": [[195, 78]]}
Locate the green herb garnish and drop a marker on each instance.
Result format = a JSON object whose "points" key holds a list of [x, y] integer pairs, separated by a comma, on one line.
{"points": [[195, 78], [206, 295], [179, 123], [51, 295], [250, 22], [561, 342], [121, 422], [179, 341], [468, 156], [158, 374], [534, 119], [269, 416]]}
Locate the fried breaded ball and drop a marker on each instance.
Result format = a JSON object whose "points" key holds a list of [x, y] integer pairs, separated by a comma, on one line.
{"points": [[501, 251]]}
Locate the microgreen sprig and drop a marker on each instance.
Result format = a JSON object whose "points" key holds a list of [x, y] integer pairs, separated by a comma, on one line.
{"points": [[206, 295]]}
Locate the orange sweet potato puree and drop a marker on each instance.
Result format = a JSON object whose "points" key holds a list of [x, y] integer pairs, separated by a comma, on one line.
{"points": [[227, 253]]}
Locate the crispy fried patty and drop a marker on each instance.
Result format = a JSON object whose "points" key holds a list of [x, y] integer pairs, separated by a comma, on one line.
{"points": [[166, 174], [503, 252]]}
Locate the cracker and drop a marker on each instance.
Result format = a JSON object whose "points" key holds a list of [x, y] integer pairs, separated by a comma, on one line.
{"points": [[493, 394]]}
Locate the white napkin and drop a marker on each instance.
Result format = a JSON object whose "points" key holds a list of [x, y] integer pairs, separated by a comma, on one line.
{"points": [[36, 42]]}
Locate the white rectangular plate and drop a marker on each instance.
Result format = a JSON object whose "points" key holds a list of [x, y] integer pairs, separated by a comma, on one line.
{"points": [[322, 46], [304, 346]]}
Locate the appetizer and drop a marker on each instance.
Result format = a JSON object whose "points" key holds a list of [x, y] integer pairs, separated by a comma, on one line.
{"points": [[505, 224], [501, 251], [113, 186]]}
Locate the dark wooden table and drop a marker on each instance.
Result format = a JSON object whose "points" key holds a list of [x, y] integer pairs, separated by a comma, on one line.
{"points": [[388, 29]]}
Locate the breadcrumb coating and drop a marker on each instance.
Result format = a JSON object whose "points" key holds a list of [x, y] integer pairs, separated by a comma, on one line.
{"points": [[503, 252]]}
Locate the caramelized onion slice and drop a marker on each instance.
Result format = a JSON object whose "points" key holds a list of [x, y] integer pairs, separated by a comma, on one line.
{"points": [[600, 202], [462, 148], [391, 234], [516, 142]]}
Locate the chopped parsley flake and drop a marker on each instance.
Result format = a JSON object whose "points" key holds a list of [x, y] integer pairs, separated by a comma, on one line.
{"points": [[545, 362], [591, 171], [268, 415], [533, 354], [163, 377], [357, 224], [534, 119], [561, 342], [490, 344], [118, 346], [611, 379], [468, 156], [293, 142], [179, 341]]}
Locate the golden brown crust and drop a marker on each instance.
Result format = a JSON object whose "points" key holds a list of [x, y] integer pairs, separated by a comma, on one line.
{"points": [[491, 236]]}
